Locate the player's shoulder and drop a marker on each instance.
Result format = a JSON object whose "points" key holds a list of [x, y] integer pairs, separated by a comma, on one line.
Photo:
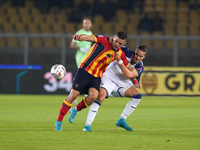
{"points": [[102, 39], [140, 64], [128, 52], [101, 36]]}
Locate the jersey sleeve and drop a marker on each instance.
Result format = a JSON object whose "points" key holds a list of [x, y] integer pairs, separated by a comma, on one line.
{"points": [[128, 52], [100, 39], [139, 68], [123, 57]]}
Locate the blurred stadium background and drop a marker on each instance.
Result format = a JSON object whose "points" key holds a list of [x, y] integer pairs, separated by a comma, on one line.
{"points": [[38, 32]]}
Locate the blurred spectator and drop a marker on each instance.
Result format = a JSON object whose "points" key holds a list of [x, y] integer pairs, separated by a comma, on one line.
{"points": [[75, 15], [97, 8], [157, 22], [109, 10], [146, 23], [85, 8]]}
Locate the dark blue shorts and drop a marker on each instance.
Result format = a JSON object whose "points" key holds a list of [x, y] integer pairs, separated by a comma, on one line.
{"points": [[83, 81]]}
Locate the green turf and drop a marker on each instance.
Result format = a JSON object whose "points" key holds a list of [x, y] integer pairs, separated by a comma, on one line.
{"points": [[27, 123]]}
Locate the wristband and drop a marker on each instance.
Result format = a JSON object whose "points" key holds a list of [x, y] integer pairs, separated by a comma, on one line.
{"points": [[120, 62], [135, 81]]}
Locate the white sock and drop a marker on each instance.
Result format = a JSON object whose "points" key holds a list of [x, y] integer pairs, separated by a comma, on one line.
{"points": [[130, 107], [92, 113]]}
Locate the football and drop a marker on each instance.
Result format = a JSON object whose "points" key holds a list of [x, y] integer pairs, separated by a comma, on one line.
{"points": [[58, 71]]}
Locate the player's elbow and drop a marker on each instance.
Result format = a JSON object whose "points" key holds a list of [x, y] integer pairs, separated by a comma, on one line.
{"points": [[128, 76]]}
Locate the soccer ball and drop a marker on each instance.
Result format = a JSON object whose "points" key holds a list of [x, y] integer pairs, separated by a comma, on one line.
{"points": [[58, 71]]}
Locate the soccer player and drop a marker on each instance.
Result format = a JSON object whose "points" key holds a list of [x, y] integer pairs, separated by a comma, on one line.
{"points": [[88, 77], [116, 81], [82, 47]]}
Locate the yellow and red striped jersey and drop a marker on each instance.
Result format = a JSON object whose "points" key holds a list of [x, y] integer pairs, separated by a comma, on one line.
{"points": [[100, 56]]}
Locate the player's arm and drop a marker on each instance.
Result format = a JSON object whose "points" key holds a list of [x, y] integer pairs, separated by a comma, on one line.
{"points": [[84, 37], [127, 71], [136, 83], [74, 45]]}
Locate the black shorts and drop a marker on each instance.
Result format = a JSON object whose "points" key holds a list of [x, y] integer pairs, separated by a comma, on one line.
{"points": [[83, 81]]}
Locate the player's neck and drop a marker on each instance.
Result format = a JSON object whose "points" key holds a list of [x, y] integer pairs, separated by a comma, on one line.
{"points": [[133, 63]]}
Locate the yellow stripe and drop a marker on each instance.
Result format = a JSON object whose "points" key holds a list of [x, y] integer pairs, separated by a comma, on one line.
{"points": [[85, 102], [137, 72], [95, 38], [102, 64], [67, 103], [120, 52], [98, 101], [127, 65]]}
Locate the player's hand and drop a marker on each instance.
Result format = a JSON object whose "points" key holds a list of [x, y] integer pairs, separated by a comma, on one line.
{"points": [[138, 85], [76, 37], [117, 56]]}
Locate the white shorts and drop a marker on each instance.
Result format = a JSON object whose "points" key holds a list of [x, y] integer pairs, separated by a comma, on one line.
{"points": [[112, 84]]}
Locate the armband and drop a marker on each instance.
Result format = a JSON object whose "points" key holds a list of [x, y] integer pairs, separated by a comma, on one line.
{"points": [[120, 62], [135, 81]]}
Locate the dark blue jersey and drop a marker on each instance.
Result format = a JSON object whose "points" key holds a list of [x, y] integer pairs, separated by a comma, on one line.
{"points": [[138, 66]]}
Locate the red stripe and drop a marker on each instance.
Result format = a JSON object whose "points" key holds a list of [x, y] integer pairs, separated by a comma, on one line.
{"points": [[89, 55], [91, 64], [103, 68], [101, 71], [98, 64]]}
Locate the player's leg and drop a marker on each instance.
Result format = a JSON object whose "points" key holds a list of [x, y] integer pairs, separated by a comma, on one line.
{"points": [[94, 88], [86, 101], [79, 57], [130, 106], [107, 86], [94, 107], [75, 91], [134, 101], [66, 105]]}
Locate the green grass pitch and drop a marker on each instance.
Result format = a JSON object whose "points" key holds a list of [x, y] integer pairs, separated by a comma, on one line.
{"points": [[171, 123]]}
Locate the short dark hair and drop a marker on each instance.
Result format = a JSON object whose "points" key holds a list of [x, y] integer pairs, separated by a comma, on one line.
{"points": [[122, 35], [142, 48]]}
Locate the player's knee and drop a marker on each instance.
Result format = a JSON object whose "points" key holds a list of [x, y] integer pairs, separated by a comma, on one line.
{"points": [[101, 97], [90, 99], [72, 96], [137, 96]]}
